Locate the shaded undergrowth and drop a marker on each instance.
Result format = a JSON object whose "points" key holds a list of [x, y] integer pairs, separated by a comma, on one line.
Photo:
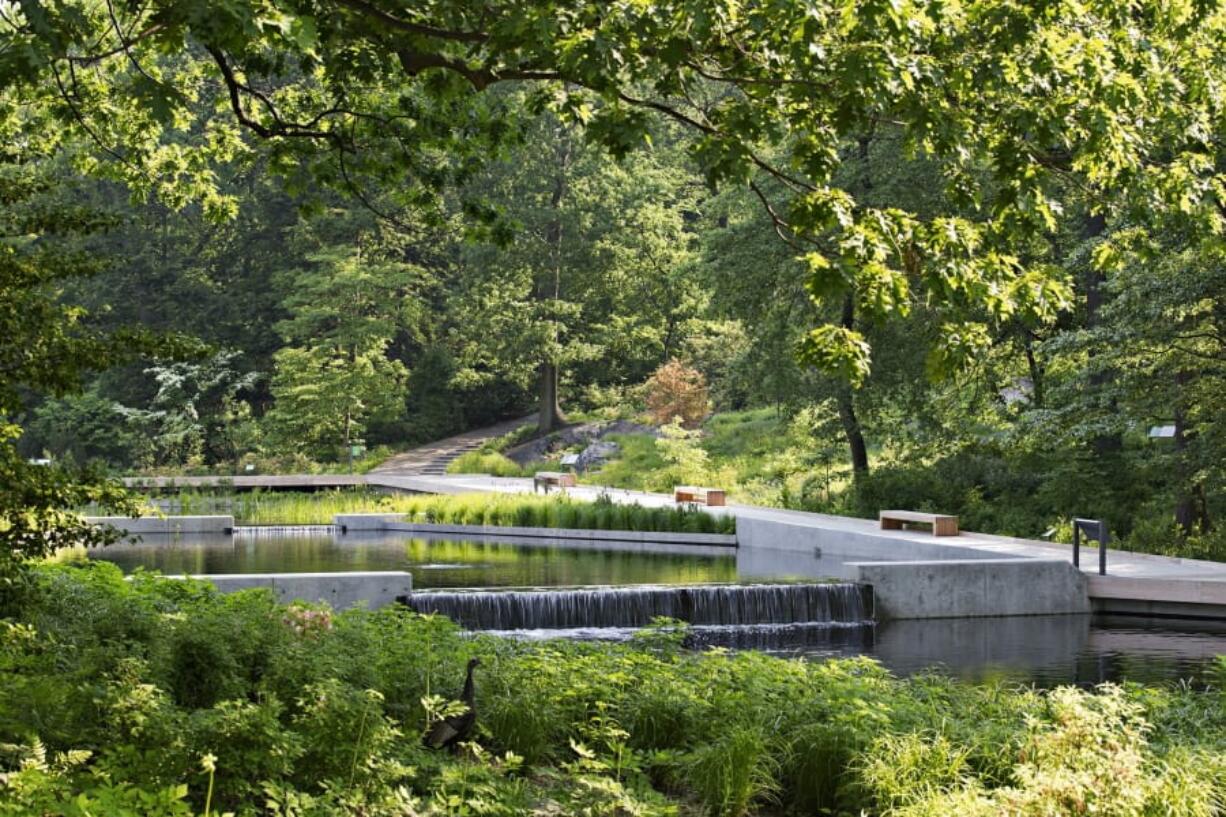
{"points": [[138, 696]]}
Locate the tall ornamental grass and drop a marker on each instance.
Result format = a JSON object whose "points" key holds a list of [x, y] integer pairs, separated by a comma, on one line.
{"points": [[502, 510]]}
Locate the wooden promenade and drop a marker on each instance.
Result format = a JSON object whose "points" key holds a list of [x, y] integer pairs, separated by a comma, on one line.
{"points": [[404, 483]]}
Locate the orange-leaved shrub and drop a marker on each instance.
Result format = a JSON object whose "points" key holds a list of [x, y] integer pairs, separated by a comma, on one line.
{"points": [[676, 390]]}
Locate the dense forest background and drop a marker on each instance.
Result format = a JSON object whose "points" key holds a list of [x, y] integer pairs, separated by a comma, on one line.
{"points": [[333, 320]]}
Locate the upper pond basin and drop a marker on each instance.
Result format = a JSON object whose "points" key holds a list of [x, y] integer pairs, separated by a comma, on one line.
{"points": [[1046, 650]]}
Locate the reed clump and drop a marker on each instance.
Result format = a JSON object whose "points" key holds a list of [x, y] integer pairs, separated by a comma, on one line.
{"points": [[501, 510]]}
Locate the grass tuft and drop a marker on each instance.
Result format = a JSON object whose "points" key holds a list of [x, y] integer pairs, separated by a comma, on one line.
{"points": [[502, 510]]}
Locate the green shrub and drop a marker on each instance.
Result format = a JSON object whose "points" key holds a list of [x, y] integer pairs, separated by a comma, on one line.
{"points": [[251, 742], [900, 770], [344, 732], [97, 716], [485, 462]]}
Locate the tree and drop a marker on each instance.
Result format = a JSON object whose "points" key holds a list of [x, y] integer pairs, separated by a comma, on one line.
{"points": [[595, 284], [48, 345], [1012, 100], [1161, 332], [335, 375], [190, 416]]}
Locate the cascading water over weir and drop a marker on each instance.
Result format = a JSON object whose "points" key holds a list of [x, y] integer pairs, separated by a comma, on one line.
{"points": [[753, 605]]}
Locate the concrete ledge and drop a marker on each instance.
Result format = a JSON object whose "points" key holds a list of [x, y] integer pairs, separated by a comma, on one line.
{"points": [[1174, 598], [980, 587], [1185, 591], [340, 590], [353, 523], [166, 525]]}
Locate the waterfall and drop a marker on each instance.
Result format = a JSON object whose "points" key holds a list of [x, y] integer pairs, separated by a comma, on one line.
{"points": [[727, 605], [851, 638]]}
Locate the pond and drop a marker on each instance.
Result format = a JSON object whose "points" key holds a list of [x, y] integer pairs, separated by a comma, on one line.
{"points": [[434, 563], [1046, 650]]}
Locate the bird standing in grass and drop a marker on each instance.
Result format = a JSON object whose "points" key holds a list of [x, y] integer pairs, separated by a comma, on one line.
{"points": [[455, 728]]}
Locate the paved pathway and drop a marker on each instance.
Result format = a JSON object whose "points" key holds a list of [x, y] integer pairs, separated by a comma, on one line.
{"points": [[1129, 575], [433, 458]]}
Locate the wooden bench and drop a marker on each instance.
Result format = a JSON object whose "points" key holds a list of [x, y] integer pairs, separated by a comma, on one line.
{"points": [[552, 479], [942, 524], [699, 496]]}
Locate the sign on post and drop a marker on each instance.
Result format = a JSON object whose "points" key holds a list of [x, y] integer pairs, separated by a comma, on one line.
{"points": [[1094, 529]]}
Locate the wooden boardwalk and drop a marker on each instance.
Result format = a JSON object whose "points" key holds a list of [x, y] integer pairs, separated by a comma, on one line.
{"points": [[406, 483], [278, 482]]}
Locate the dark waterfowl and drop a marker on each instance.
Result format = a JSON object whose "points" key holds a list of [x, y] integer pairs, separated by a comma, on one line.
{"points": [[456, 728]]}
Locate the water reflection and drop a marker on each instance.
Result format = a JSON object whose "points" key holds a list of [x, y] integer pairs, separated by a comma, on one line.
{"points": [[434, 562], [1047, 650]]}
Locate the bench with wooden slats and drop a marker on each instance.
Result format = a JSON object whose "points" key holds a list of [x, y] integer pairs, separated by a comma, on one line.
{"points": [[942, 524], [691, 495], [552, 479]]}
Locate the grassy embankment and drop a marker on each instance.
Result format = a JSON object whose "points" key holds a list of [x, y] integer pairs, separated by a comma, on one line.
{"points": [[162, 698], [759, 456], [285, 508], [762, 458]]}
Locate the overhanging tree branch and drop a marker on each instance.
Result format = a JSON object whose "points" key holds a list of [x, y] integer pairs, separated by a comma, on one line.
{"points": [[279, 127], [400, 24]]}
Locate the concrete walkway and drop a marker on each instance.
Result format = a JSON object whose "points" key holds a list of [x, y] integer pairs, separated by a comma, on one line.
{"points": [[1130, 576], [1135, 582]]}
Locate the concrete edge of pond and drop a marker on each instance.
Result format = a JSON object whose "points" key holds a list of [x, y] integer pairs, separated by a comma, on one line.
{"points": [[362, 522], [969, 588], [166, 525], [376, 588]]}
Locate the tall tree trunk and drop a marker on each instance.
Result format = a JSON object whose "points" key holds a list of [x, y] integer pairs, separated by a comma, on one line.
{"points": [[1095, 225], [550, 413], [846, 397], [851, 430], [847, 406], [1191, 509], [1036, 374]]}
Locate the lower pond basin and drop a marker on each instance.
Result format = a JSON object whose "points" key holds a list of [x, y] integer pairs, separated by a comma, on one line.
{"points": [[1046, 650]]}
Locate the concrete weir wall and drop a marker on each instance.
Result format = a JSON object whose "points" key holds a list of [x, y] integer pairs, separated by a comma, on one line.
{"points": [[166, 525], [914, 575], [971, 588], [340, 590], [364, 522]]}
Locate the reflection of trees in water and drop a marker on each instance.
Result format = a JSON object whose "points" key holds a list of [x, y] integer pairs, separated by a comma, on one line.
{"points": [[461, 563]]}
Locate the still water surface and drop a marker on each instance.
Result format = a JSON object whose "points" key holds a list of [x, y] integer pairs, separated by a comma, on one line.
{"points": [[1046, 650], [435, 564]]}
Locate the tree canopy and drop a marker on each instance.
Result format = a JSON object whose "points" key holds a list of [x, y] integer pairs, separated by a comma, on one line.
{"points": [[1020, 105], [976, 246]]}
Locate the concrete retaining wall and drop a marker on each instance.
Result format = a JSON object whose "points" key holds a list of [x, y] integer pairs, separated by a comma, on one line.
{"points": [[166, 525], [356, 523], [340, 590], [980, 587]]}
